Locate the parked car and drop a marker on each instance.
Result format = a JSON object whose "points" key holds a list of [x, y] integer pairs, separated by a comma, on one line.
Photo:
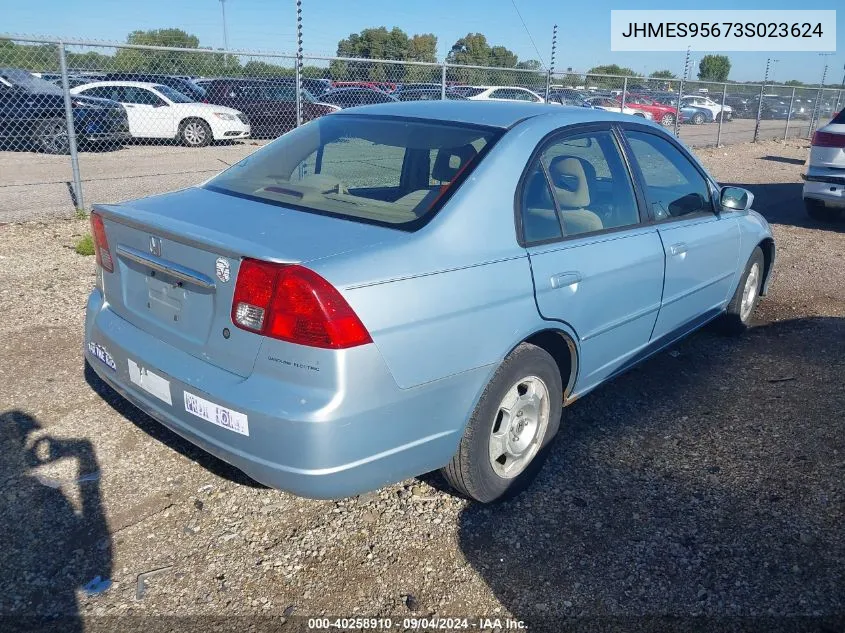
{"points": [[315, 87], [415, 86], [329, 316], [32, 114], [160, 112], [612, 105], [384, 86], [742, 106], [351, 97], [567, 96], [702, 101], [663, 114], [506, 93], [824, 182], [426, 94], [182, 84], [270, 108], [693, 114]]}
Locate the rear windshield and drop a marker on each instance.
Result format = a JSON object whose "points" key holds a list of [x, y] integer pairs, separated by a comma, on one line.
{"points": [[384, 170]]}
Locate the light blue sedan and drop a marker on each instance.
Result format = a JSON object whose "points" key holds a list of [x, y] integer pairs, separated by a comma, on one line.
{"points": [[404, 287]]}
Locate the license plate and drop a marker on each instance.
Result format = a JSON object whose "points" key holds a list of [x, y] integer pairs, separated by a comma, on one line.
{"points": [[216, 414], [150, 382], [101, 353]]}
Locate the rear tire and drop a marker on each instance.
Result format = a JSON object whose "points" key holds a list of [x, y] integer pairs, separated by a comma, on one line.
{"points": [[50, 136], [518, 415], [738, 314], [195, 133], [817, 210], [698, 118]]}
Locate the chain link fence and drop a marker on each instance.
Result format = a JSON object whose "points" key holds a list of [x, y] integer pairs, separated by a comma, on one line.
{"points": [[85, 122]]}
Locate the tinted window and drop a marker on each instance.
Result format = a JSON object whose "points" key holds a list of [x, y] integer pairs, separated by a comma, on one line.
{"points": [[673, 185], [839, 118], [104, 92], [174, 95], [141, 96], [539, 216], [590, 183], [390, 171]]}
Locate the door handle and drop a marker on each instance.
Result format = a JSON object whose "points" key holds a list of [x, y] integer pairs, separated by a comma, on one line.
{"points": [[678, 249], [562, 280]]}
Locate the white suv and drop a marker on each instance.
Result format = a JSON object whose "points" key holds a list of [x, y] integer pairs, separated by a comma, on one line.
{"points": [[700, 101], [824, 182]]}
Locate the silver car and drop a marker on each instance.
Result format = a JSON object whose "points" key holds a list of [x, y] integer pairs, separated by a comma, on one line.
{"points": [[399, 288]]}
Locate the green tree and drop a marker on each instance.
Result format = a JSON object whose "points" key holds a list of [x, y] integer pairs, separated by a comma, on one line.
{"points": [[714, 68], [663, 74], [38, 57], [793, 82], [612, 69], [379, 43], [530, 64]]}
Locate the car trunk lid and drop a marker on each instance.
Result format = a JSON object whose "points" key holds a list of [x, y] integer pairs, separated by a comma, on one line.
{"points": [[828, 149], [177, 258]]}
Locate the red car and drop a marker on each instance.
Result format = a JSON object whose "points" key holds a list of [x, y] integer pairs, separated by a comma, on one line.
{"points": [[663, 114]]}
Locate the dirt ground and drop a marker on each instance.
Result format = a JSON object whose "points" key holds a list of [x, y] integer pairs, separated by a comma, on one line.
{"points": [[703, 490]]}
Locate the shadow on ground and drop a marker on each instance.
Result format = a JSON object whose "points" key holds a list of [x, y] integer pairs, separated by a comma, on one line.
{"points": [[164, 435], [55, 538], [702, 491], [783, 203]]}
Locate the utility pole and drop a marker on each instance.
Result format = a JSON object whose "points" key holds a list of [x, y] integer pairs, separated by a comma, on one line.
{"points": [[225, 31], [681, 92], [769, 63], [298, 63], [551, 62], [817, 108]]}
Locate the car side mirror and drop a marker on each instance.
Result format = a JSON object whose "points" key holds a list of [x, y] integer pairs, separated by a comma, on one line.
{"points": [[736, 198]]}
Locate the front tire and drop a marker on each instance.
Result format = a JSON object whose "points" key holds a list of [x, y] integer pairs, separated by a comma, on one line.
{"points": [[667, 120], [698, 118], [195, 133], [738, 314], [504, 444]]}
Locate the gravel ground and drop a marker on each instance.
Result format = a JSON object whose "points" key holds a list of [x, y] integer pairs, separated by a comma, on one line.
{"points": [[704, 490]]}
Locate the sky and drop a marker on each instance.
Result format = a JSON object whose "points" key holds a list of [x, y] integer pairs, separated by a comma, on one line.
{"points": [[270, 25]]}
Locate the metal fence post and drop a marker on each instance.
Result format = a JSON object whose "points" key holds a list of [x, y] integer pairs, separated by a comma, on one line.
{"points": [[789, 115], [443, 82], [71, 131], [817, 112], [624, 92], [759, 112], [298, 63], [678, 109], [548, 84], [721, 115]]}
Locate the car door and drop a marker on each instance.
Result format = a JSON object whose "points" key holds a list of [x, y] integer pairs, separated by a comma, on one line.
{"points": [[597, 263], [149, 114], [701, 246]]}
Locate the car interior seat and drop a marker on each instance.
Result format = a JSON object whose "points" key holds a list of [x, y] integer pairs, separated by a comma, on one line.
{"points": [[448, 164], [571, 177]]}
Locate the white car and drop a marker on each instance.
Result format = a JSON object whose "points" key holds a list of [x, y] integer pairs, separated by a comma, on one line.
{"points": [[612, 105], [157, 111], [824, 182], [700, 101], [503, 93]]}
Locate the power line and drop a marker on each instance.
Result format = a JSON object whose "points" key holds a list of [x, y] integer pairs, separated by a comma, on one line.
{"points": [[536, 50]]}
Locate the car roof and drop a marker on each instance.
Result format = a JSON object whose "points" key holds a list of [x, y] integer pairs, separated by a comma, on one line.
{"points": [[501, 114], [117, 82]]}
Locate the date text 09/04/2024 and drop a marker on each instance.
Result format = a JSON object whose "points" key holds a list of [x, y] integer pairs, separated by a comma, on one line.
{"points": [[416, 624]]}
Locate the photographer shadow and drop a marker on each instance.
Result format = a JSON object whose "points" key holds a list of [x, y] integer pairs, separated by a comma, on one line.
{"points": [[55, 541]]}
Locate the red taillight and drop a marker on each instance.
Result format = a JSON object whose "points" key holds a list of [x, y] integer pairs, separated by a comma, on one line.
{"points": [[828, 139], [294, 304], [101, 244]]}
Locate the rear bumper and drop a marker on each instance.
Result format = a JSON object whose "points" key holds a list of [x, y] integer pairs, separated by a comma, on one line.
{"points": [[832, 194], [318, 445]]}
